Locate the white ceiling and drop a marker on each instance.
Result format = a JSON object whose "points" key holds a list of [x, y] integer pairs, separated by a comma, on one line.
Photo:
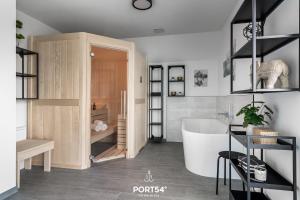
{"points": [[117, 18]]}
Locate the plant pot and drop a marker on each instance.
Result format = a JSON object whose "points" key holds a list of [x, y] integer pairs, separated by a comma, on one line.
{"points": [[249, 130]]}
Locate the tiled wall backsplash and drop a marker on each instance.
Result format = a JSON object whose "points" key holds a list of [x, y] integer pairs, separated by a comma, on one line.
{"points": [[202, 107], [187, 107], [235, 102]]}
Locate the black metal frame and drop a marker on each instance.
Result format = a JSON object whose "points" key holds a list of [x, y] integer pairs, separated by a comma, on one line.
{"points": [[157, 95], [176, 81], [249, 13], [133, 4], [274, 180], [22, 53]]}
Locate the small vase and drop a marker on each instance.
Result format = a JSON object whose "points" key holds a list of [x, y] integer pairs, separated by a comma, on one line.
{"points": [[249, 130]]}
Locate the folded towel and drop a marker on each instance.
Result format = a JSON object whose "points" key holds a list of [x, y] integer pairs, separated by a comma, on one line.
{"points": [[98, 122], [95, 127], [98, 128], [254, 161]]}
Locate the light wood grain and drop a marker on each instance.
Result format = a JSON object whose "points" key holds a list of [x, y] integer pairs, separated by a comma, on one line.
{"points": [[26, 149], [97, 136], [121, 135], [110, 154], [63, 113], [109, 78], [56, 114]]}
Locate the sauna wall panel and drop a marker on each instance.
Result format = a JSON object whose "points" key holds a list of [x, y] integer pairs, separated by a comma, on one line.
{"points": [[61, 124], [59, 69], [109, 78], [140, 95], [57, 114]]}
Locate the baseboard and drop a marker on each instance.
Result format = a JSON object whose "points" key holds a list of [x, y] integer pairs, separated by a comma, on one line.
{"points": [[8, 193]]}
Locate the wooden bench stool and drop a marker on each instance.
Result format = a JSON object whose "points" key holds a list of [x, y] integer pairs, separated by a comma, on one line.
{"points": [[26, 149]]}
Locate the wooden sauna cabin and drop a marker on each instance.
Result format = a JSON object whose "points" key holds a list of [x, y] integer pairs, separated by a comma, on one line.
{"points": [[68, 88]]}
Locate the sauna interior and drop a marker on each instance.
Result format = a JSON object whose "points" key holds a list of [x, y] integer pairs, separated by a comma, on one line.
{"points": [[108, 103]]}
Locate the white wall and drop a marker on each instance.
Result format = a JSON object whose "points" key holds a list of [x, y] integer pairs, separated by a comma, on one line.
{"points": [[185, 47], [195, 51], [8, 98], [31, 27], [287, 105]]}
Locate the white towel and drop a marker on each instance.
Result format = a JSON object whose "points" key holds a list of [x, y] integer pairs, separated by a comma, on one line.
{"points": [[95, 127], [99, 127], [104, 127], [98, 122]]}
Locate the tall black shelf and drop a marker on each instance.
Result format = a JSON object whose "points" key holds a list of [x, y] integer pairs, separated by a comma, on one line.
{"points": [[176, 81], [25, 76], [274, 180], [157, 94], [253, 11]]}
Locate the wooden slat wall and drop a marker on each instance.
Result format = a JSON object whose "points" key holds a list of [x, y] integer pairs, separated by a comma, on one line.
{"points": [[109, 78], [122, 133], [56, 115], [61, 124], [59, 69]]}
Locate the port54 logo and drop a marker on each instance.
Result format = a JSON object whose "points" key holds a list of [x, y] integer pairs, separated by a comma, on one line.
{"points": [[149, 190]]}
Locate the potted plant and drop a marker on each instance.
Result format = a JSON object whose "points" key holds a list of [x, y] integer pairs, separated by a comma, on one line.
{"points": [[255, 115], [19, 36]]}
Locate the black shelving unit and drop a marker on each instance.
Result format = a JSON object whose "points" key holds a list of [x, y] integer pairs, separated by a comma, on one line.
{"points": [[25, 76], [253, 11], [158, 69], [170, 81], [274, 180]]}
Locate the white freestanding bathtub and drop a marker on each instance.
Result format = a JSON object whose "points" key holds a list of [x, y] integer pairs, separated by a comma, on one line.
{"points": [[203, 139]]}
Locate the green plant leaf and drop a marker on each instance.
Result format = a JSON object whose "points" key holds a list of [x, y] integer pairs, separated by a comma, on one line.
{"points": [[19, 24], [20, 36]]}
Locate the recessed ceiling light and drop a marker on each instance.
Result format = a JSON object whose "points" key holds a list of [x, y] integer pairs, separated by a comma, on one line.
{"points": [[142, 4], [158, 30]]}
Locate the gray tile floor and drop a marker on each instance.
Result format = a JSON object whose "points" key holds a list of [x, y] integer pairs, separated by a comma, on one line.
{"points": [[114, 180]]}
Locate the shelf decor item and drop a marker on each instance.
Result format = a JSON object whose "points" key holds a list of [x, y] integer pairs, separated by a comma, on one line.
{"points": [[264, 132], [19, 36], [176, 81], [260, 174], [179, 78], [248, 31], [270, 72], [173, 93], [254, 163], [255, 115]]}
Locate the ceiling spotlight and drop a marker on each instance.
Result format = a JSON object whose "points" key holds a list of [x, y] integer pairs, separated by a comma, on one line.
{"points": [[142, 4]]}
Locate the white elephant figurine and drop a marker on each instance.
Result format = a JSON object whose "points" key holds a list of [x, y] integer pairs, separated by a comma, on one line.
{"points": [[269, 72]]}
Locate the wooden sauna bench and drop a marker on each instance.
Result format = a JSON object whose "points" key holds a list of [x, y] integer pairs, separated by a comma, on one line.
{"points": [[97, 136], [117, 150], [26, 149], [101, 114]]}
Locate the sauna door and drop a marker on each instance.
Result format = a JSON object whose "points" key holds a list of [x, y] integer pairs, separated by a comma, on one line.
{"points": [[108, 89]]}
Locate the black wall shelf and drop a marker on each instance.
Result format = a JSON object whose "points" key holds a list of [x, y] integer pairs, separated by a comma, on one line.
{"points": [[265, 45], [158, 69], [263, 9], [25, 76], [253, 11], [176, 81], [274, 180], [241, 195]]}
